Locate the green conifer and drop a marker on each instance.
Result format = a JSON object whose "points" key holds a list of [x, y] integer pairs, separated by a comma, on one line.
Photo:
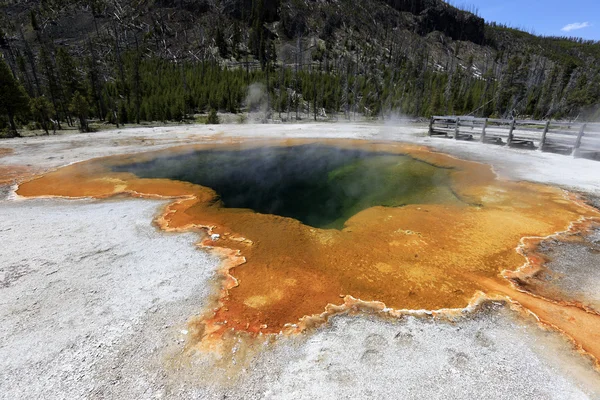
{"points": [[42, 111], [80, 108], [13, 99]]}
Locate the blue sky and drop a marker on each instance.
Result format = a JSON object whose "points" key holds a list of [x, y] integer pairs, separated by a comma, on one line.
{"points": [[580, 18]]}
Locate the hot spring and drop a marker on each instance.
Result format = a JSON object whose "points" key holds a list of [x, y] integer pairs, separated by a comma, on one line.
{"points": [[321, 186], [307, 229]]}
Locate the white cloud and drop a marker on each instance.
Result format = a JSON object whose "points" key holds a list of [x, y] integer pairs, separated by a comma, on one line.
{"points": [[575, 26]]}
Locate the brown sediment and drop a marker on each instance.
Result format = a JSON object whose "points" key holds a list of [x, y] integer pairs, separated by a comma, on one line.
{"points": [[580, 325], [283, 276], [15, 173], [532, 276], [10, 174]]}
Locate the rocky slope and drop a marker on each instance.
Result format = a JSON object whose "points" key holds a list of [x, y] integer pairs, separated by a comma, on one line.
{"points": [[429, 50]]}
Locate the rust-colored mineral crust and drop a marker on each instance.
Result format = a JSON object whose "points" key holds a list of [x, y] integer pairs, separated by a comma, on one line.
{"points": [[281, 275]]}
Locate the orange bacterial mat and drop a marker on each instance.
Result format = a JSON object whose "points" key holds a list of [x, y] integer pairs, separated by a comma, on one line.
{"points": [[282, 275]]}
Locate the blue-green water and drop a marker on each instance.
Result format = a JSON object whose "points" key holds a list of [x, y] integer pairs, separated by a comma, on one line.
{"points": [[319, 185]]}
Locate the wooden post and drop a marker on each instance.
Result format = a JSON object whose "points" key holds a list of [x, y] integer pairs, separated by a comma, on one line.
{"points": [[510, 132], [544, 134], [483, 130], [457, 128], [431, 126], [578, 141]]}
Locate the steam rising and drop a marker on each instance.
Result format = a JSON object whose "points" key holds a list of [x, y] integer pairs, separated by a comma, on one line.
{"points": [[257, 101], [391, 122], [321, 186]]}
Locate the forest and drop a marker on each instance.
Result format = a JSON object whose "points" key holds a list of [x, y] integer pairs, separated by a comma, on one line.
{"points": [[117, 63]]}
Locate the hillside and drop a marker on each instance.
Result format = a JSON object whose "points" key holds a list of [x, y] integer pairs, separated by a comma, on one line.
{"points": [[157, 60]]}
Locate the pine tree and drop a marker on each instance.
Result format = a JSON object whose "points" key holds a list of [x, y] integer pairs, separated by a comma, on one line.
{"points": [[24, 74], [213, 118], [95, 86], [42, 111], [123, 115], [80, 108], [220, 42], [52, 86], [13, 99], [69, 75]]}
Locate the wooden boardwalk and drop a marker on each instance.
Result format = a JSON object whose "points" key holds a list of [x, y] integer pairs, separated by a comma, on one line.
{"points": [[571, 138]]}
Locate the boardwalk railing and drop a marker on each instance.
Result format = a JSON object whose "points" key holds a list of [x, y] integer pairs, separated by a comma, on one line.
{"points": [[578, 139]]}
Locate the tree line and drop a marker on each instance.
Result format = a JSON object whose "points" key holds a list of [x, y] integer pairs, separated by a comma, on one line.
{"points": [[47, 85]]}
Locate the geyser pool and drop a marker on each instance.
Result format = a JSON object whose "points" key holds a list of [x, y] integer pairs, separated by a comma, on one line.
{"points": [[435, 253], [321, 186]]}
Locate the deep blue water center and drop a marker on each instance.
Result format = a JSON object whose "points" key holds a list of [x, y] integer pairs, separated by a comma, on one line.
{"points": [[319, 185]]}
